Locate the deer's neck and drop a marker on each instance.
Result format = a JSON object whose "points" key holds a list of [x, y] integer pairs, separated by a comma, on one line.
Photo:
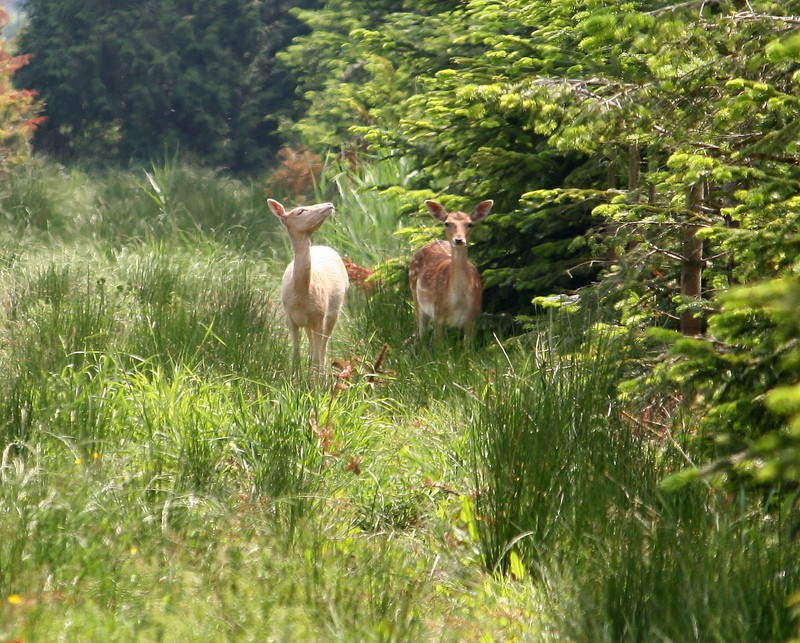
{"points": [[459, 273], [301, 273]]}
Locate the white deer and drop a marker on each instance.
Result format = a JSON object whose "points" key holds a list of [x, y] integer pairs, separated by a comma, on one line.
{"points": [[445, 285], [314, 284]]}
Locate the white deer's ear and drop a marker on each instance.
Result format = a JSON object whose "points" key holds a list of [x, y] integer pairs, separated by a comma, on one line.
{"points": [[481, 211], [276, 207], [436, 210]]}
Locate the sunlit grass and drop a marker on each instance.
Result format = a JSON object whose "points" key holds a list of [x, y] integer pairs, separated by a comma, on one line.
{"points": [[165, 476]]}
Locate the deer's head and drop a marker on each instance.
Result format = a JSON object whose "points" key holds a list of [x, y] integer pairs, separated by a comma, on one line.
{"points": [[457, 225], [304, 219]]}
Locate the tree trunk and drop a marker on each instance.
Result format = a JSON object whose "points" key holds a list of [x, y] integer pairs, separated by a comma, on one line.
{"points": [[692, 267], [634, 172], [611, 170]]}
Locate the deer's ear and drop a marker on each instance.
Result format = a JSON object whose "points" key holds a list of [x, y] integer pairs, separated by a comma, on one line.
{"points": [[276, 207], [481, 211], [436, 210]]}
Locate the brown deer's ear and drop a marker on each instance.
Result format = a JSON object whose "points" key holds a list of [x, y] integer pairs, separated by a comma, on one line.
{"points": [[481, 211], [276, 207], [436, 210]]}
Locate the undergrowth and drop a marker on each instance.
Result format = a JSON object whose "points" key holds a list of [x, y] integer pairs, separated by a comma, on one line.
{"points": [[165, 475]]}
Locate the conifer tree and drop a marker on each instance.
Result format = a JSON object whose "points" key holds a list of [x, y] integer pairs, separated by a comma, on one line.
{"points": [[128, 80], [399, 84], [661, 136]]}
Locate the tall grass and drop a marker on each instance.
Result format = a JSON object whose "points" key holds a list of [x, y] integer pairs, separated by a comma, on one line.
{"points": [[684, 569], [567, 494], [169, 199], [369, 212], [551, 458], [165, 476]]}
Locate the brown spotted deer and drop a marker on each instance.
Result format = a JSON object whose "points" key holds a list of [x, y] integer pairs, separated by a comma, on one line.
{"points": [[445, 286], [314, 284]]}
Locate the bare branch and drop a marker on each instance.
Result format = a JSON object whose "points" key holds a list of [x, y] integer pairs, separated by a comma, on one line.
{"points": [[698, 144], [588, 264], [752, 16], [791, 160], [586, 88], [679, 6], [740, 16], [665, 252]]}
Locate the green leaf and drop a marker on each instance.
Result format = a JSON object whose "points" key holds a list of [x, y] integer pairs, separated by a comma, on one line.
{"points": [[784, 399], [517, 568], [678, 480]]}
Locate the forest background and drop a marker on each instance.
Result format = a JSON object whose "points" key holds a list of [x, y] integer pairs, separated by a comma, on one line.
{"points": [[640, 268]]}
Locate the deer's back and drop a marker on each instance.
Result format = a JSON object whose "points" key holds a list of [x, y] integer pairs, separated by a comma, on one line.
{"points": [[429, 263]]}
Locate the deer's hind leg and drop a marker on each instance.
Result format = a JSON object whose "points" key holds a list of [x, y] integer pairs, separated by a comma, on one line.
{"points": [[419, 313]]}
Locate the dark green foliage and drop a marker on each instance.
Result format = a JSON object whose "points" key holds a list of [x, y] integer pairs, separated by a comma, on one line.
{"points": [[127, 80], [746, 383], [361, 60]]}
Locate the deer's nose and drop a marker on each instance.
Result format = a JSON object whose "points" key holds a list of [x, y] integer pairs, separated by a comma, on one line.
{"points": [[459, 241]]}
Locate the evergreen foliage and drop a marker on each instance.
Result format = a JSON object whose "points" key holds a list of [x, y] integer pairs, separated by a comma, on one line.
{"points": [[745, 377], [649, 146], [129, 80]]}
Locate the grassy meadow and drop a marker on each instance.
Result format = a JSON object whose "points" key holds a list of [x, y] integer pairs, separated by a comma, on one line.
{"points": [[167, 477]]}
